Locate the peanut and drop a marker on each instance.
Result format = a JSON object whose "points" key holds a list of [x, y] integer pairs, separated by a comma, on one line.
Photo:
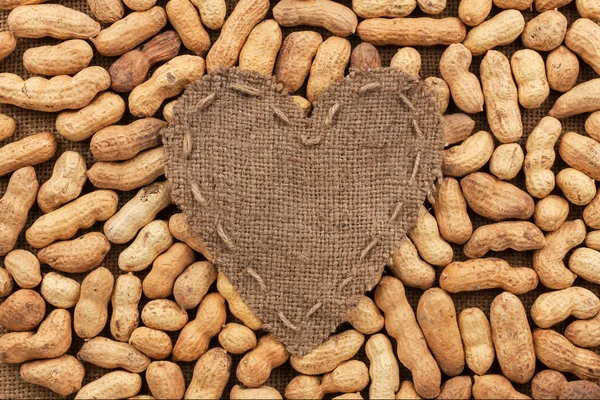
{"points": [[366, 317], [387, 8], [458, 387], [191, 286], [441, 92], [502, 29], [585, 263], [407, 392], [507, 161], [68, 178], [125, 299], [158, 284], [512, 338], [237, 307], [211, 374], [127, 33], [106, 109], [433, 7], [383, 367], [237, 338], [411, 31], [457, 127], [22, 311], [335, 17], [295, 58], [530, 74], [548, 262], [591, 213], [212, 12], [401, 324], [592, 125], [165, 315], [469, 156], [495, 387], [260, 50], [65, 58], [583, 39], [474, 12], [584, 333], [7, 127], [496, 199], [562, 69], [60, 291], [165, 380], [6, 283], [588, 9], [153, 343], [592, 240], [186, 21], [501, 96], [181, 230], [580, 99], [63, 375], [195, 337], [407, 60], [63, 223], [53, 20], [78, 255], [545, 5], [152, 240], [108, 11], [255, 367], [24, 268], [168, 111], [113, 385], [476, 335], [110, 354], [260, 393], [516, 235], [8, 44], [539, 178], [436, 316], [545, 32], [406, 265], [140, 5], [328, 66], [426, 237], [577, 187], [487, 273], [579, 390], [365, 56], [138, 212], [31, 150], [464, 85], [546, 384], [514, 4], [553, 307], [91, 313]]}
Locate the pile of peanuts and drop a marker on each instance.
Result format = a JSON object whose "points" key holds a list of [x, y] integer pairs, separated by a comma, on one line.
{"points": [[43, 313]]}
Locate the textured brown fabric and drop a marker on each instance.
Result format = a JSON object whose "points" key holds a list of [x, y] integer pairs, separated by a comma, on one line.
{"points": [[302, 214]]}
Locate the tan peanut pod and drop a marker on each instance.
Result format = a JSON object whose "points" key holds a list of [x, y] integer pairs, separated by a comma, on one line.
{"points": [[63, 375], [55, 94], [147, 98], [152, 342], [383, 367], [583, 39], [401, 324], [31, 150], [512, 338], [211, 374], [237, 306], [591, 213], [469, 156], [7, 127], [106, 109], [457, 127], [194, 338], [436, 316], [66, 58], [584, 333], [113, 385], [78, 255], [539, 178], [585, 263], [8, 44], [387, 8], [546, 384], [529, 71], [365, 56], [335, 17], [181, 230], [366, 317], [52, 339], [164, 315], [578, 100], [407, 392], [506, 161], [63, 223], [212, 12], [22, 311], [260, 50], [65, 184], [165, 380], [138, 212], [411, 31], [592, 125], [139, 5], [152, 240], [496, 199], [295, 58], [125, 300], [129, 32], [158, 284], [186, 21], [474, 12], [588, 9], [407, 60], [259, 393], [6, 283], [60, 291], [304, 105], [440, 90], [91, 313], [476, 335], [432, 7], [514, 4], [581, 389], [551, 308], [117, 142], [426, 237], [255, 367], [406, 265], [107, 11], [464, 85], [495, 387], [545, 5], [24, 268], [502, 29], [110, 354], [548, 262], [235, 31], [237, 338], [592, 240], [329, 354], [545, 32], [501, 97], [134, 173], [53, 20], [191, 286], [516, 235], [168, 111], [458, 387], [328, 66], [562, 69], [556, 352], [14, 206], [577, 187]]}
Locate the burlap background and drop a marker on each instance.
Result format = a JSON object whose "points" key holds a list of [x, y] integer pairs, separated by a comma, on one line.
{"points": [[11, 386]]}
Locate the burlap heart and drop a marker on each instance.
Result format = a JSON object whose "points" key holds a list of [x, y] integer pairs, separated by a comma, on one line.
{"points": [[302, 214]]}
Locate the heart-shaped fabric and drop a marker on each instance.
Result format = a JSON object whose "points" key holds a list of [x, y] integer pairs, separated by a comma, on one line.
{"points": [[302, 214]]}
